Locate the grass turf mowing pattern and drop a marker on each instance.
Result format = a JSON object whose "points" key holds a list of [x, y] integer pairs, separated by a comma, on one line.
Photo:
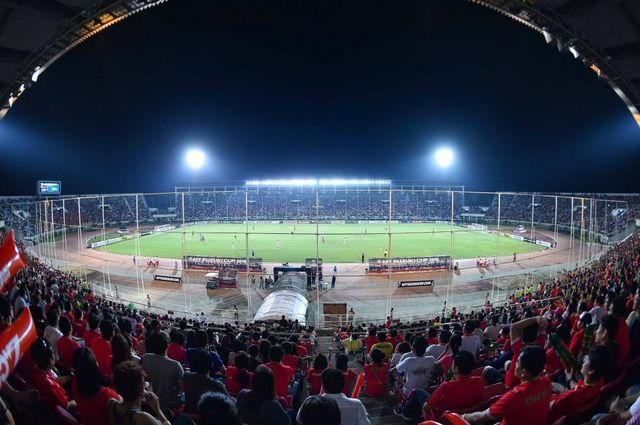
{"points": [[343, 243]]}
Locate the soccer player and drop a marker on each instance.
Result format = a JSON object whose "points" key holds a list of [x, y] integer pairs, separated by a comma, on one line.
{"points": [[344, 240]]}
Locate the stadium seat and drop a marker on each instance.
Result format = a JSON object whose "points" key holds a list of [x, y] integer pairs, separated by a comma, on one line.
{"points": [[65, 417], [581, 415], [491, 391], [453, 419]]}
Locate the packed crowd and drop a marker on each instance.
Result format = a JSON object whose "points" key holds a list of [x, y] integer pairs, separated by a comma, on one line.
{"points": [[300, 204], [555, 352], [548, 352]]}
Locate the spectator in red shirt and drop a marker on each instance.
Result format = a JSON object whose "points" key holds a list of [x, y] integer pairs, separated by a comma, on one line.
{"points": [[301, 350], [89, 389], [528, 402], [93, 332], [464, 391], [283, 374], [175, 349], [66, 344], [120, 350], [43, 379], [622, 336], [238, 376], [576, 339], [375, 375], [290, 358], [584, 391], [523, 333], [370, 339], [605, 335], [394, 338], [314, 375], [79, 323], [432, 336], [101, 347], [342, 364]]}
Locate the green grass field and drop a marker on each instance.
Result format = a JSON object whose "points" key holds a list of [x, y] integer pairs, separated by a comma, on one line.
{"points": [[343, 243]]}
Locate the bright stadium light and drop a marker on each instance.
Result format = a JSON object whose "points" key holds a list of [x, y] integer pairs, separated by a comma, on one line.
{"points": [[444, 157], [195, 158]]}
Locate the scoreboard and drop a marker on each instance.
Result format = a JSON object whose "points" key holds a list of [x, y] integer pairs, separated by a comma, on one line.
{"points": [[49, 188]]}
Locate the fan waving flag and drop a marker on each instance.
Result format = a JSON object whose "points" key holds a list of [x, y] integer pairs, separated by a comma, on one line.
{"points": [[10, 260], [14, 342]]}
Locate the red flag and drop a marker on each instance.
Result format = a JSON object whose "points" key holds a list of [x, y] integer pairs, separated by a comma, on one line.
{"points": [[10, 260], [14, 342]]}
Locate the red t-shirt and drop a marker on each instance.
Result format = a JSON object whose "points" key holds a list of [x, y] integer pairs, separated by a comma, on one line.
{"points": [[232, 384], [463, 392], [102, 350], [79, 327], [349, 377], [570, 401], [526, 404], [291, 361], [622, 338], [397, 340], [174, 351], [93, 409], [375, 380], [301, 351], [283, 375], [433, 341], [89, 336], [369, 341], [50, 390], [510, 379], [553, 361], [314, 376], [66, 347], [576, 342]]}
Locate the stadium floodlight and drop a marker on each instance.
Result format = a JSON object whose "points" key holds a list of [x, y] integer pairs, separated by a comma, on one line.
{"points": [[195, 158], [282, 182], [548, 37], [574, 52], [444, 157], [353, 182]]}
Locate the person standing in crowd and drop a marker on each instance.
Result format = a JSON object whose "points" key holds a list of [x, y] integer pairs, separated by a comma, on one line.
{"points": [[333, 281]]}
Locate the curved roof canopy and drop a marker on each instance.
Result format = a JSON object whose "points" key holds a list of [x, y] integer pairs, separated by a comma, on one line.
{"points": [[603, 34]]}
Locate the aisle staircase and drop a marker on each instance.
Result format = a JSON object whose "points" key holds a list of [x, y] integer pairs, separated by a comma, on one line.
{"points": [[380, 410]]}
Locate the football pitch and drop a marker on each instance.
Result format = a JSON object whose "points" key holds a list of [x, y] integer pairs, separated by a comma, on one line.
{"points": [[336, 243]]}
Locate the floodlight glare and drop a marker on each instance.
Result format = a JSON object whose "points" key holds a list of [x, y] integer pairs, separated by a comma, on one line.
{"points": [[444, 157], [195, 158]]}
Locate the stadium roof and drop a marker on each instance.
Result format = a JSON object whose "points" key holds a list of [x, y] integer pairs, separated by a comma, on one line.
{"points": [[604, 34]]}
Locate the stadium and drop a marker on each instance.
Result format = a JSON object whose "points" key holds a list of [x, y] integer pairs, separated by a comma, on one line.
{"points": [[370, 237], [316, 268]]}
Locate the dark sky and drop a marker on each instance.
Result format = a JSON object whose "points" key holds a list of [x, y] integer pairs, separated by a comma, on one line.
{"points": [[319, 89]]}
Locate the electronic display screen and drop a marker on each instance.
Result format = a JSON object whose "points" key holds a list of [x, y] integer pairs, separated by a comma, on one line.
{"points": [[49, 188]]}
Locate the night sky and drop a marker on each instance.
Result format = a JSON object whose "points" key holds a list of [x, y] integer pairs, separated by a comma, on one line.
{"points": [[359, 89]]}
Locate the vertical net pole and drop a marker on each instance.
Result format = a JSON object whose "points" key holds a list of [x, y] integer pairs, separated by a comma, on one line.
{"points": [[389, 262], [65, 252], [555, 237], [317, 257], [451, 248], [498, 234], [571, 235], [81, 246], [184, 271], [104, 254], [246, 243]]}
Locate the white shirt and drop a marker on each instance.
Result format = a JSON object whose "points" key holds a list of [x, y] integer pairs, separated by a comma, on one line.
{"points": [[596, 314], [202, 318], [352, 411], [471, 343], [435, 350], [492, 332], [52, 335], [416, 372], [407, 356]]}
